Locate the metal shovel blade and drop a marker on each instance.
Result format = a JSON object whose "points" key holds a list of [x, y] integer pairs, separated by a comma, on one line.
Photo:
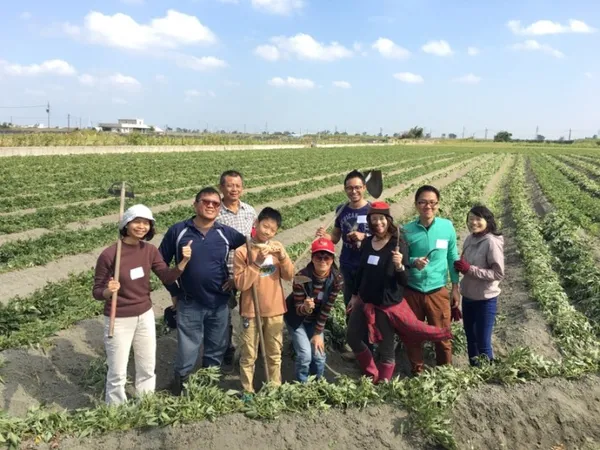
{"points": [[374, 181], [115, 190], [301, 279]]}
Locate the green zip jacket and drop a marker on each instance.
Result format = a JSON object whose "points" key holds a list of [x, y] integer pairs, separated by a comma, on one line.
{"points": [[440, 236]]}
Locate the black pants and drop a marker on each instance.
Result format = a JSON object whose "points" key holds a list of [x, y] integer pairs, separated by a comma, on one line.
{"points": [[357, 329]]}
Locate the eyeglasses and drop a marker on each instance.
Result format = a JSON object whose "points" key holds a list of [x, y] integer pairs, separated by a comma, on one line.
{"points": [[213, 203], [323, 256], [353, 188], [431, 203]]}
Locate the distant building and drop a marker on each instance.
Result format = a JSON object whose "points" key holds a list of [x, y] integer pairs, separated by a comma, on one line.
{"points": [[126, 126]]}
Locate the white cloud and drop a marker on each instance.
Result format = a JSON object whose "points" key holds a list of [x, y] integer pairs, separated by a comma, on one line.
{"points": [[190, 94], [119, 101], [304, 47], [543, 27], [121, 31], [125, 81], [87, 79], [161, 79], [268, 52], [473, 51], [531, 45], [25, 15], [407, 77], [116, 80], [281, 7], [439, 48], [295, 83], [388, 49], [342, 84], [49, 67], [588, 75], [200, 64], [468, 79], [35, 92]]}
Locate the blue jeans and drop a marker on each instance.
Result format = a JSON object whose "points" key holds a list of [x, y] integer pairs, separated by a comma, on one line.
{"points": [[308, 361], [478, 321], [198, 325]]}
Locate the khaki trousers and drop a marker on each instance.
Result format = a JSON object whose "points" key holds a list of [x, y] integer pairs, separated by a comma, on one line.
{"points": [[435, 308], [273, 334]]}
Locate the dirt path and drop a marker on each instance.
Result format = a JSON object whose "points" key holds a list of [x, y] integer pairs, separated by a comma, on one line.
{"points": [[97, 222], [26, 281], [551, 414]]}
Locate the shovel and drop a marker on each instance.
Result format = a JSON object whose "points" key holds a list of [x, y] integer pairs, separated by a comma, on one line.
{"points": [[261, 337], [301, 279], [123, 190], [374, 184]]}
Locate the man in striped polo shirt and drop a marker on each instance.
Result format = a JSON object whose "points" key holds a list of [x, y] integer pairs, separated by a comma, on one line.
{"points": [[239, 216]]}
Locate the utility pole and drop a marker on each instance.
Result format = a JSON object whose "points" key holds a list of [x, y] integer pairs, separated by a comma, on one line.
{"points": [[486, 134], [267, 127], [463, 134], [48, 111], [537, 131], [244, 128], [68, 122], [569, 134]]}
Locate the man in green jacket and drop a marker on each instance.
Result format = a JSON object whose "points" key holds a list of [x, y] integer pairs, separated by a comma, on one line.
{"points": [[432, 252]]}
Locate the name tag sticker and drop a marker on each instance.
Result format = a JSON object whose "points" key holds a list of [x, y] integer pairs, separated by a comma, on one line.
{"points": [[136, 273], [320, 296], [441, 243], [373, 260], [361, 219]]}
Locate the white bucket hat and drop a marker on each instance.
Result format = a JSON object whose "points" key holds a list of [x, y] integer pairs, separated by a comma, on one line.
{"points": [[134, 212]]}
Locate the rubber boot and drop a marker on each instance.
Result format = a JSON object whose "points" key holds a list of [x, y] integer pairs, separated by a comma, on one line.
{"points": [[177, 388], [367, 364], [386, 371]]}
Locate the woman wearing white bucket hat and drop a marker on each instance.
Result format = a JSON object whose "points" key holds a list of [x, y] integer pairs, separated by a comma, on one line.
{"points": [[134, 322]]}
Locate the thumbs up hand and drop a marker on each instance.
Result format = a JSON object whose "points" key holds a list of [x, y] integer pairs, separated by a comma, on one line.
{"points": [[186, 253]]}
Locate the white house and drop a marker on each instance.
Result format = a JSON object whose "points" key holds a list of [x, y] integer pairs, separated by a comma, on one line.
{"points": [[126, 126]]}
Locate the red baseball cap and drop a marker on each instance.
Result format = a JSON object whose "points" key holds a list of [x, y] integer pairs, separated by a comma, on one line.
{"points": [[323, 245]]}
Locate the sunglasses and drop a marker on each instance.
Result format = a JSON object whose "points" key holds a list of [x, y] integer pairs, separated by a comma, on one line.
{"points": [[323, 256], [213, 203]]}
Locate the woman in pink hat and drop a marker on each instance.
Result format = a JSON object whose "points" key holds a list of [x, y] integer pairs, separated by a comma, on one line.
{"points": [[134, 322], [378, 304], [309, 306]]}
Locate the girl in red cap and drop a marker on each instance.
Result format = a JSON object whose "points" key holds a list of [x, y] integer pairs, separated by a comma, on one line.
{"points": [[377, 304], [309, 306]]}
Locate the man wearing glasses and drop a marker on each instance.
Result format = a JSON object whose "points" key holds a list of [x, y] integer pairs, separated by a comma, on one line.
{"points": [[352, 228], [432, 252], [198, 295]]}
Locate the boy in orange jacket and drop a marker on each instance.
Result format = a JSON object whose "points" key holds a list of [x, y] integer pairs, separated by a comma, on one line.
{"points": [[269, 264]]}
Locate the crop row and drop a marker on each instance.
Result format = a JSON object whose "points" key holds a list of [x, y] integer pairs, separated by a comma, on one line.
{"points": [[170, 170], [54, 217], [33, 252], [582, 209], [576, 265], [571, 329], [583, 163], [577, 177]]}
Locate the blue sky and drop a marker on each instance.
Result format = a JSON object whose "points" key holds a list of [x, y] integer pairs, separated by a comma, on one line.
{"points": [[306, 65]]}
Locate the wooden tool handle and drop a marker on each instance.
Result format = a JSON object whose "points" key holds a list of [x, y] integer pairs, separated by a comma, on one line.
{"points": [[113, 303]]}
